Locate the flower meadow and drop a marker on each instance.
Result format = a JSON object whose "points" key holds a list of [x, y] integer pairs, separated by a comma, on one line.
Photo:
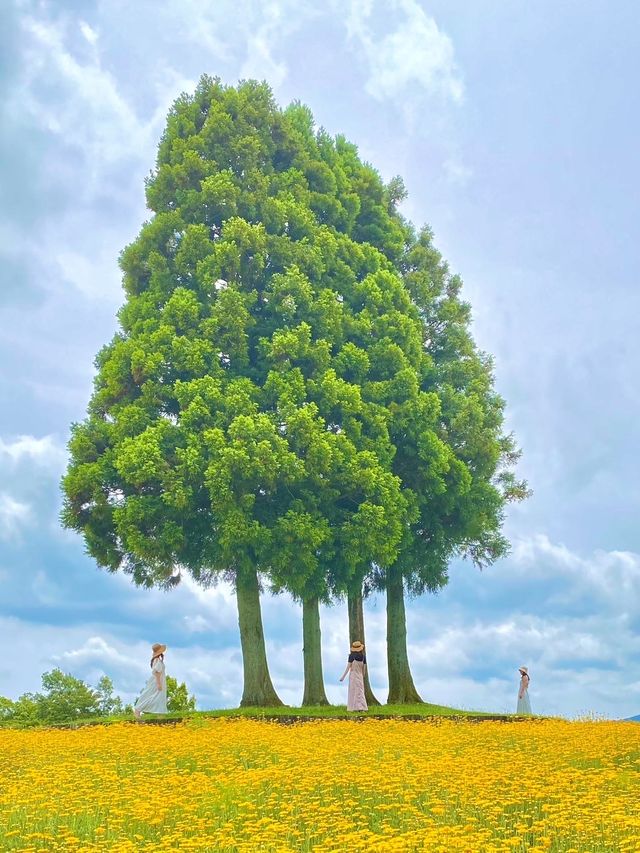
{"points": [[377, 785]]}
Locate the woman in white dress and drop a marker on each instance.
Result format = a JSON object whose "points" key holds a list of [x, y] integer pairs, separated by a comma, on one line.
{"points": [[153, 699], [524, 705]]}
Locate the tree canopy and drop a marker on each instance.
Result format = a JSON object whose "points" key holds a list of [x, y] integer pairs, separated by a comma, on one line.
{"points": [[294, 389]]}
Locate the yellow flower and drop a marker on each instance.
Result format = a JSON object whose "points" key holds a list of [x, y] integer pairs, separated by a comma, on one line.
{"points": [[244, 786]]}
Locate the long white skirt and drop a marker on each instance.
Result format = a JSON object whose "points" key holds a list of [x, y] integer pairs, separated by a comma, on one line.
{"points": [[152, 700], [524, 705]]}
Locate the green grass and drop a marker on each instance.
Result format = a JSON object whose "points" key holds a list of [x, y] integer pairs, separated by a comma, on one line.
{"points": [[290, 714], [332, 711]]}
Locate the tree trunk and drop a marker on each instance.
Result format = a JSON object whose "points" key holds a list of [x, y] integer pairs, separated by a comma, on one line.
{"points": [[258, 690], [312, 654], [356, 632], [402, 690]]}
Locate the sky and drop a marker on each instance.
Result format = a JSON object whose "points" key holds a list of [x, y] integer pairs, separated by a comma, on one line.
{"points": [[516, 129]]}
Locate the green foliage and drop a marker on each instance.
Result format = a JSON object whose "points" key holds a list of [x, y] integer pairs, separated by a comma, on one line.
{"points": [[294, 385], [228, 424], [178, 697], [26, 710], [63, 698], [108, 704], [6, 708]]}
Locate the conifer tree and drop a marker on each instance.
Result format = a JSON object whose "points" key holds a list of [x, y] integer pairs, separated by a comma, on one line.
{"points": [[293, 397]]}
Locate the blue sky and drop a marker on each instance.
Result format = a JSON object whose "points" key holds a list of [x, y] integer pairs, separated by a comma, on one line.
{"points": [[516, 128]]}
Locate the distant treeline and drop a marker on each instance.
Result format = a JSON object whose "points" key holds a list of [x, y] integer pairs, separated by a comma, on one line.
{"points": [[64, 698]]}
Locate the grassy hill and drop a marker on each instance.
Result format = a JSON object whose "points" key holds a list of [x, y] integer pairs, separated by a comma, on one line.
{"points": [[291, 714]]}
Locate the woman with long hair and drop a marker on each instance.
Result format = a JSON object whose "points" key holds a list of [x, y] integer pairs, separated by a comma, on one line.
{"points": [[356, 664], [153, 699]]}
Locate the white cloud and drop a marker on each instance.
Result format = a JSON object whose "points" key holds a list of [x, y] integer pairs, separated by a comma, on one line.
{"points": [[88, 32], [189, 607], [91, 86], [212, 675], [416, 53], [96, 277], [66, 96], [37, 648], [612, 578], [570, 617], [196, 624], [260, 62], [267, 27], [95, 116], [98, 649], [202, 22], [249, 37], [578, 665], [13, 516], [45, 451]]}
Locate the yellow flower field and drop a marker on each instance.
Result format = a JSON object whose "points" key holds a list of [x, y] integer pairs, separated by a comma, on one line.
{"points": [[379, 785]]}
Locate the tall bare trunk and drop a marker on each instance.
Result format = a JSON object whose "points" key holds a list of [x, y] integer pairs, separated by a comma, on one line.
{"points": [[356, 632], [312, 654], [402, 690], [258, 689]]}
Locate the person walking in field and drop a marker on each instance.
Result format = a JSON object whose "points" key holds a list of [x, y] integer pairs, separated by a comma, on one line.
{"points": [[356, 664], [153, 699], [524, 705]]}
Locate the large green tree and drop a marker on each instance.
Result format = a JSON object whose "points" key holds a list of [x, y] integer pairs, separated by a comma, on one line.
{"points": [[227, 430], [281, 402]]}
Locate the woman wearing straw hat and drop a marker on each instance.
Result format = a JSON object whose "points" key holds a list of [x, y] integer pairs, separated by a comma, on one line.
{"points": [[356, 664], [153, 699], [524, 705]]}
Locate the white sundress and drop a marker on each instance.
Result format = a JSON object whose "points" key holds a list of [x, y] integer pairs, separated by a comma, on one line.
{"points": [[152, 700], [524, 705]]}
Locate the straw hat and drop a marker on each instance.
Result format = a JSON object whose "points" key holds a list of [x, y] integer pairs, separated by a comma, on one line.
{"points": [[524, 670], [158, 649], [357, 646]]}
